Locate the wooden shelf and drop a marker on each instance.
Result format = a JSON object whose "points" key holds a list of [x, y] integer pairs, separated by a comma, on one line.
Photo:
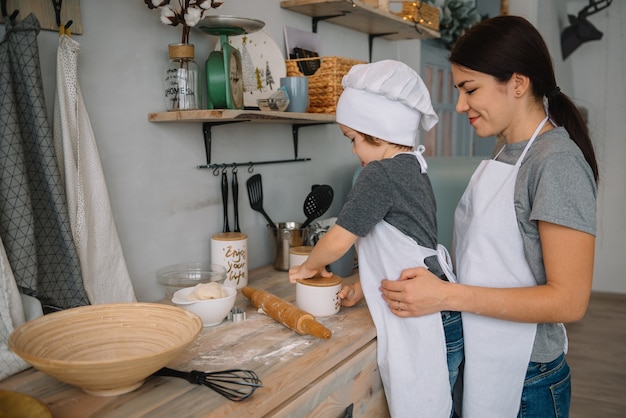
{"points": [[361, 17], [218, 116], [215, 117]]}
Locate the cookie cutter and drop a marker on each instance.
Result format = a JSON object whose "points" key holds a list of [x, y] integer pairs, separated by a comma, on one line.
{"points": [[236, 315]]}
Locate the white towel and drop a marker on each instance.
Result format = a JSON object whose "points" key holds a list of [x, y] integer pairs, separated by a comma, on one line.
{"points": [[11, 316], [102, 262]]}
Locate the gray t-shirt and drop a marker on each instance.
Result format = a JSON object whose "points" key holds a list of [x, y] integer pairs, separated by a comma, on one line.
{"points": [[394, 190], [554, 184]]}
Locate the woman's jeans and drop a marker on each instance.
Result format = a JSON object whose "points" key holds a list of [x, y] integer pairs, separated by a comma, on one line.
{"points": [[547, 390], [453, 329], [547, 387]]}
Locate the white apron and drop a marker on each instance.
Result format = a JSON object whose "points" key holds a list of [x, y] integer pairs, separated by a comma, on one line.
{"points": [[411, 351], [105, 275], [489, 252]]}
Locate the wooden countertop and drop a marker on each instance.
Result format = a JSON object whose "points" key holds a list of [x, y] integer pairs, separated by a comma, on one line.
{"points": [[285, 361]]}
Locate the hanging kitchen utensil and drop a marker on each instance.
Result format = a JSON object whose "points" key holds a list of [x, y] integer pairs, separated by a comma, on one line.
{"points": [[226, 227], [317, 203], [236, 199], [234, 384], [255, 195]]}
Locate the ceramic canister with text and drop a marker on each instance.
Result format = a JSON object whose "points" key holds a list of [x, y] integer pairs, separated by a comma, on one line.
{"points": [[230, 249]]}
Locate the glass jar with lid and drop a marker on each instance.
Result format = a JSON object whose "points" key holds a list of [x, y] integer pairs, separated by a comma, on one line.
{"points": [[181, 78]]}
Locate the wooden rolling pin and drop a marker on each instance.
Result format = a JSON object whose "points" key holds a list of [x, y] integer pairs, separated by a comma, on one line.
{"points": [[286, 313]]}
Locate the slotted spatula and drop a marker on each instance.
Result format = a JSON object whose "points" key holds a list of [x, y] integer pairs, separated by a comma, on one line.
{"points": [[317, 203], [255, 195]]}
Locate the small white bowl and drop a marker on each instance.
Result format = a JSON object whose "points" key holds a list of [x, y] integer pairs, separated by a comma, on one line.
{"points": [[319, 296], [211, 311]]}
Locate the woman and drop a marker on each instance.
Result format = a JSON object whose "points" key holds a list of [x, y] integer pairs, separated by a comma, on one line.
{"points": [[524, 228]]}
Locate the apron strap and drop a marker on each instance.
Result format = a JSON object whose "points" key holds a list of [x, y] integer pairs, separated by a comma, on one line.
{"points": [[445, 261], [532, 139], [420, 157]]}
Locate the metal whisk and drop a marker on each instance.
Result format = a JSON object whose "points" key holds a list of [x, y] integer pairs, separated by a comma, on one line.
{"points": [[234, 384]]}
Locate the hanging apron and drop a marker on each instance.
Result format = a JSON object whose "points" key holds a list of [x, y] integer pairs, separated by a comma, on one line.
{"points": [[102, 261], [490, 253], [411, 351]]}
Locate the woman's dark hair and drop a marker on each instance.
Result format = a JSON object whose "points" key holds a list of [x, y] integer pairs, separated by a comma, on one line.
{"points": [[503, 45]]}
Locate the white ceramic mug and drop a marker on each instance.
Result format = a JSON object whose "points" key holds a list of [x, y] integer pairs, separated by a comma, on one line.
{"points": [[230, 249], [298, 91], [298, 255], [319, 296]]}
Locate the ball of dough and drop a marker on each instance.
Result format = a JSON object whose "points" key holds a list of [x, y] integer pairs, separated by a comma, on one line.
{"points": [[204, 291]]}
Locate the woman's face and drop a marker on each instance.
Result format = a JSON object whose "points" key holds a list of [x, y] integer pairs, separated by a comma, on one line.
{"points": [[365, 151], [488, 103]]}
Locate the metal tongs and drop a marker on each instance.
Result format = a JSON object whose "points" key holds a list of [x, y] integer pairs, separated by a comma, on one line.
{"points": [[234, 384]]}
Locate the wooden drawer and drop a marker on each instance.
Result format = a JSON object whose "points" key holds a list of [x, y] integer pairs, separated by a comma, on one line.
{"points": [[355, 381]]}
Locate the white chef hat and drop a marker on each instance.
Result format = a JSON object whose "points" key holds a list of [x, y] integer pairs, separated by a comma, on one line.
{"points": [[386, 99]]}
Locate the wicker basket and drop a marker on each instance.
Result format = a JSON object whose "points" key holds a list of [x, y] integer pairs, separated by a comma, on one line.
{"points": [[419, 12], [325, 85]]}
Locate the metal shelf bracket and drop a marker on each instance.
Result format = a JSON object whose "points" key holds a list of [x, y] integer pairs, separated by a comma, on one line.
{"points": [[373, 36], [316, 19], [206, 131]]}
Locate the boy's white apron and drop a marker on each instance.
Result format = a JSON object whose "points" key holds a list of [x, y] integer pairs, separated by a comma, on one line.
{"points": [[411, 351], [489, 252]]}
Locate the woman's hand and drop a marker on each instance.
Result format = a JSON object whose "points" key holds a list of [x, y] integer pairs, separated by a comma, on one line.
{"points": [[417, 292], [568, 258], [351, 294]]}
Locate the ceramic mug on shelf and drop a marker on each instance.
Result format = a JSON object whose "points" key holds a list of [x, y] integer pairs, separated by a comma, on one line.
{"points": [[298, 91]]}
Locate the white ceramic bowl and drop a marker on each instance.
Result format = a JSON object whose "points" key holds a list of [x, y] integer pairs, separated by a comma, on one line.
{"points": [[106, 349], [211, 311], [319, 296]]}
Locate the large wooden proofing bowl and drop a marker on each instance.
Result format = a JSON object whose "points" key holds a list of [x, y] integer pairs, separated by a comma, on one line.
{"points": [[106, 349]]}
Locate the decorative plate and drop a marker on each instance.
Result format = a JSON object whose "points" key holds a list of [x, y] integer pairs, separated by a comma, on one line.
{"points": [[263, 65]]}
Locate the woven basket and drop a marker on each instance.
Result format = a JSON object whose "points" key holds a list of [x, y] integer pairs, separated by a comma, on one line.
{"points": [[325, 85], [419, 12]]}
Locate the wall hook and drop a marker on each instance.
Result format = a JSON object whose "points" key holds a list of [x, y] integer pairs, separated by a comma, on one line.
{"points": [[5, 13], [56, 4]]}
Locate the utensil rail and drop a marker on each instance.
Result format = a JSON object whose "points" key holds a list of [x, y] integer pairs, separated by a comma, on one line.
{"points": [[206, 130]]}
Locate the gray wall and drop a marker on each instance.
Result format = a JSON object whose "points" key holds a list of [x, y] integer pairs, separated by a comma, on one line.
{"points": [[166, 209]]}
